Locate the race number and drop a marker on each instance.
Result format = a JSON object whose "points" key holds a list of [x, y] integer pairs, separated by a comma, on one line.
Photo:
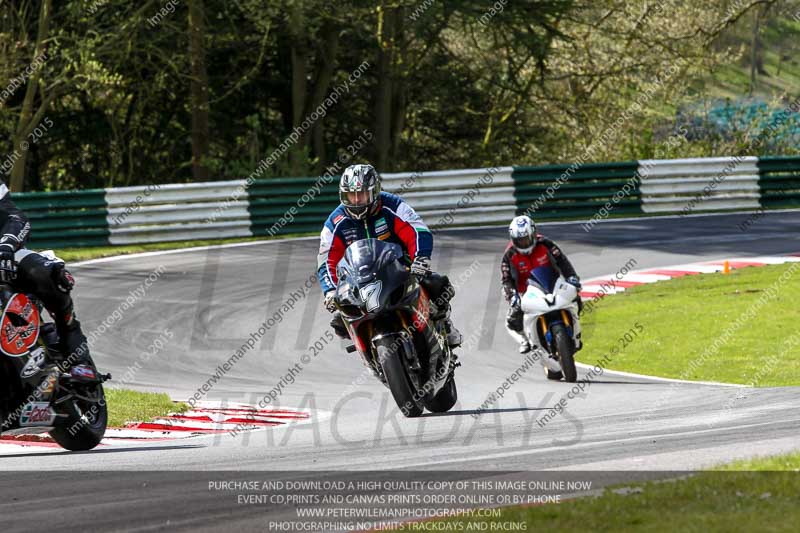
{"points": [[370, 295]]}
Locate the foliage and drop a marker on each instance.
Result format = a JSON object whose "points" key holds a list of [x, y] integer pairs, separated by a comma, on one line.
{"points": [[444, 84]]}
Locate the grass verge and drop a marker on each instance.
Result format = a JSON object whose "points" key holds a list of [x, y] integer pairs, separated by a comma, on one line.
{"points": [[783, 463], [764, 498], [686, 328], [132, 406]]}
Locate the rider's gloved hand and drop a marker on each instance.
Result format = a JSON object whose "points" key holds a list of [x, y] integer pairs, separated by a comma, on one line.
{"points": [[421, 266], [515, 302], [8, 265], [573, 280], [330, 305]]}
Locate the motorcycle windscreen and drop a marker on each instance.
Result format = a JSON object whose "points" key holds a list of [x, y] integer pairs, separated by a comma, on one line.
{"points": [[364, 259], [546, 276]]}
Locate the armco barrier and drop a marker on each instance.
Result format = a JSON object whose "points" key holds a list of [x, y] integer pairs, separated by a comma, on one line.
{"points": [[458, 197], [291, 205], [66, 219], [446, 198], [709, 184], [280, 206], [176, 212], [575, 191], [779, 182]]}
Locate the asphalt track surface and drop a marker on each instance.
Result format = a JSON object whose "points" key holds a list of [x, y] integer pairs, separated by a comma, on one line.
{"points": [[213, 299]]}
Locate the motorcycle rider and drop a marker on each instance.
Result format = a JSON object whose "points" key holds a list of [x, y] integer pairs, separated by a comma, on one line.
{"points": [[46, 278], [526, 254], [367, 212]]}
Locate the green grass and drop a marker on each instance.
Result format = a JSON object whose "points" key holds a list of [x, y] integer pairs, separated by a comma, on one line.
{"points": [[96, 252], [783, 463], [132, 406], [764, 498], [733, 80], [685, 328]]}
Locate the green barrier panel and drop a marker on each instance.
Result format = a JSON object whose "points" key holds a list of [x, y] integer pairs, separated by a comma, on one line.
{"points": [[779, 181], [280, 206], [576, 191], [65, 219]]}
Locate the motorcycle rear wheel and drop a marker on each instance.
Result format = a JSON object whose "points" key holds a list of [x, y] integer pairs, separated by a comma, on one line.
{"points": [[566, 352], [394, 369]]}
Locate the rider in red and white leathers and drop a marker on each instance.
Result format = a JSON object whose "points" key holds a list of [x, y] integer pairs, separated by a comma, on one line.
{"points": [[526, 254]]}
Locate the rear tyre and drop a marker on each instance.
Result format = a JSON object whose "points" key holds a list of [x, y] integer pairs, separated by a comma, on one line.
{"points": [[445, 399], [392, 359], [566, 352]]}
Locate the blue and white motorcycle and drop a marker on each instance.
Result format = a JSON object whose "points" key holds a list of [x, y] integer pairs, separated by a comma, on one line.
{"points": [[551, 322]]}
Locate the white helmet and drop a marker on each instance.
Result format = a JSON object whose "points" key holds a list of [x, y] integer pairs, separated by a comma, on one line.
{"points": [[522, 231]]}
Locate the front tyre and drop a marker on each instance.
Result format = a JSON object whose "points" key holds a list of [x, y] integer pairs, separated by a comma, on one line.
{"points": [[554, 376], [392, 358], [86, 422], [446, 398], [566, 352]]}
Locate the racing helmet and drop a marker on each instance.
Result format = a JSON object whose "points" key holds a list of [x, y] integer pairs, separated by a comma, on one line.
{"points": [[359, 190], [522, 231]]}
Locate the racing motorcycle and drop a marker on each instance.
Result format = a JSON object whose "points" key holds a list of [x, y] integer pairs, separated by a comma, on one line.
{"points": [[39, 393], [551, 321], [387, 312]]}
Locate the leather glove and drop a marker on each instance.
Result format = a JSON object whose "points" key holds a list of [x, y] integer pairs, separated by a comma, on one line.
{"points": [[573, 280], [515, 302], [330, 305], [421, 266], [8, 265]]}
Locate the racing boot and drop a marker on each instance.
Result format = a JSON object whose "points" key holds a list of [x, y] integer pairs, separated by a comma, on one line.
{"points": [[525, 347], [75, 349]]}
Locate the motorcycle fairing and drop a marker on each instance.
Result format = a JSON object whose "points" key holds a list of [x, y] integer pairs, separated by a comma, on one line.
{"points": [[546, 276], [378, 298]]}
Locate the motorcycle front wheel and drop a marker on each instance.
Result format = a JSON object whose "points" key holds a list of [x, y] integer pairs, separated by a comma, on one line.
{"points": [[566, 352], [555, 376], [86, 420], [445, 399], [392, 357]]}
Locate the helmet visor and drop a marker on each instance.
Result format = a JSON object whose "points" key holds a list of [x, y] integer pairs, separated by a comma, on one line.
{"points": [[357, 199], [523, 242]]}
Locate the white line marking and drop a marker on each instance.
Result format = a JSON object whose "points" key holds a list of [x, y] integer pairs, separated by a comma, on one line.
{"points": [[665, 380]]}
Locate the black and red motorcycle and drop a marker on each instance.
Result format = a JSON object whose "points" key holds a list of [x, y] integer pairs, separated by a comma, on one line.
{"points": [[40, 391], [388, 314]]}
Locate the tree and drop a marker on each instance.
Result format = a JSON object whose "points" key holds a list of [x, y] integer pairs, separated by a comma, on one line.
{"points": [[33, 111], [199, 90]]}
